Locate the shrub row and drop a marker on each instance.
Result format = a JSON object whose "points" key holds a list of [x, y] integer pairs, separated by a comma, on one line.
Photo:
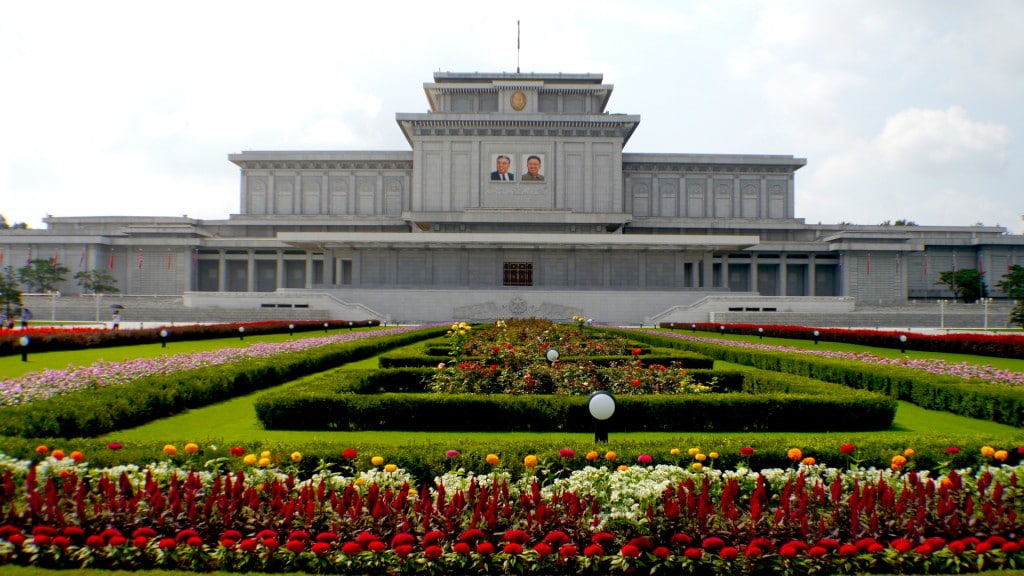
{"points": [[777, 402], [99, 410], [972, 398], [999, 345], [431, 355], [54, 339]]}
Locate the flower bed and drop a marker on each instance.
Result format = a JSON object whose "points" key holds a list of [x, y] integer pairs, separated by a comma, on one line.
{"points": [[600, 519]]}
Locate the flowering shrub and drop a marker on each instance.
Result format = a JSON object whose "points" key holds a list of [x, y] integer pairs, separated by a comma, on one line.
{"points": [[62, 513]]}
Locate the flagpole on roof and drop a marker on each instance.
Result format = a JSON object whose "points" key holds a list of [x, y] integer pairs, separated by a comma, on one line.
{"points": [[517, 46]]}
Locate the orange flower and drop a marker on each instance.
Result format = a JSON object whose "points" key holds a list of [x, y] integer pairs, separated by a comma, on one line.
{"points": [[170, 450], [988, 451], [610, 456], [795, 454], [593, 455], [809, 461], [57, 454], [530, 461], [42, 449], [493, 459], [622, 468], [379, 460], [898, 461], [1001, 455], [909, 452], [296, 456], [77, 456], [191, 448]]}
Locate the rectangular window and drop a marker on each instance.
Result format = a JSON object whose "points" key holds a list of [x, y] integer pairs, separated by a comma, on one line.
{"points": [[518, 274], [345, 271]]}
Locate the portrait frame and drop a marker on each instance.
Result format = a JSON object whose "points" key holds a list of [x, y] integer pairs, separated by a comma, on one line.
{"points": [[494, 169], [524, 168]]}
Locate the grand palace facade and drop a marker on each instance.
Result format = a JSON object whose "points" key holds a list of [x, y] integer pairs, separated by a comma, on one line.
{"points": [[516, 199]]}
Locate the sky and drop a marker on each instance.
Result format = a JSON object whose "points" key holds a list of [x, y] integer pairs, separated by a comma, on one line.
{"points": [[906, 110]]}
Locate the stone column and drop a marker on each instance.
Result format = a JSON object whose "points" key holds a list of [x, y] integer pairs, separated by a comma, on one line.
{"points": [[280, 270], [753, 273], [250, 271], [222, 272], [783, 272], [812, 276], [725, 270], [707, 270]]}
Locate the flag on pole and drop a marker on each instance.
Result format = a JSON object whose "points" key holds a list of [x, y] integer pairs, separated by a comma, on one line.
{"points": [[168, 259], [110, 261], [28, 259], [869, 264], [81, 260], [2, 259], [954, 261], [140, 260], [55, 259]]}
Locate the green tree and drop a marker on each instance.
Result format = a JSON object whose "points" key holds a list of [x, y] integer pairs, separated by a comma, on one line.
{"points": [[10, 296], [96, 281], [5, 226], [966, 284], [42, 275], [1012, 285]]}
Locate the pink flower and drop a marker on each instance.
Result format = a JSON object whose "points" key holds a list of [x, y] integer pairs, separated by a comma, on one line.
{"points": [[567, 453], [645, 459], [451, 454]]}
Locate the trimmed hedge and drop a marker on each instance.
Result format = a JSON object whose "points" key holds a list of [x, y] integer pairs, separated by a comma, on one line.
{"points": [[972, 398], [367, 401], [99, 410]]}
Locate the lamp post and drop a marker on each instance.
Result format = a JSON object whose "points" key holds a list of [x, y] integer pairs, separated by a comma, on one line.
{"points": [[241, 332], [24, 342], [986, 302], [760, 333], [163, 338], [816, 336], [601, 405], [325, 327], [291, 329], [942, 314], [551, 355], [903, 343]]}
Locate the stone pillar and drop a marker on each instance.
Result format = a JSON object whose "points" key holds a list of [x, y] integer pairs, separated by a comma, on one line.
{"points": [[725, 271], [250, 271], [707, 270], [753, 273], [309, 271], [280, 270], [783, 272], [329, 278], [222, 272], [812, 276]]}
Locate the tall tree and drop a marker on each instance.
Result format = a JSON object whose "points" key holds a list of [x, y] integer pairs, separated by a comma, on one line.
{"points": [[42, 275], [5, 226], [10, 296], [1012, 284], [96, 281], [966, 284]]}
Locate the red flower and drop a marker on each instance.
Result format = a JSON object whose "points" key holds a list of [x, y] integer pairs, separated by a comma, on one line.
{"points": [[140, 541], [462, 549], [432, 537], [556, 538], [902, 545], [693, 553], [746, 452], [165, 543], [637, 383], [41, 540], [299, 535], [1010, 548], [630, 551], [753, 552], [848, 550], [566, 453], [227, 535], [568, 551], [320, 549], [817, 552], [351, 548], [365, 538], [788, 551], [327, 537], [712, 543], [542, 550], [376, 546], [512, 548], [403, 550], [661, 552], [641, 542], [681, 540], [952, 450], [248, 545], [603, 538], [593, 550], [637, 351], [349, 454], [516, 536], [237, 451], [433, 552], [485, 548], [121, 541], [847, 449], [95, 541], [402, 539], [728, 553], [957, 547], [472, 535]]}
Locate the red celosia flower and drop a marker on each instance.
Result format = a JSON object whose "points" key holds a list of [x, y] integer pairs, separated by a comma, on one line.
{"points": [[556, 538], [76, 534], [376, 546], [1010, 548], [957, 547], [712, 543], [817, 551], [516, 536], [41, 540], [728, 553], [485, 548], [661, 552], [185, 534], [542, 550], [788, 551], [681, 540], [227, 535], [237, 451], [299, 535], [95, 541], [327, 537], [320, 549], [165, 543], [402, 539], [365, 538], [902, 545], [472, 535], [568, 551], [848, 550], [630, 551], [603, 538], [461, 548], [403, 550], [295, 546], [264, 534], [641, 542], [512, 548], [248, 545], [271, 544], [923, 550], [351, 548], [195, 541], [140, 541], [693, 553], [593, 550]]}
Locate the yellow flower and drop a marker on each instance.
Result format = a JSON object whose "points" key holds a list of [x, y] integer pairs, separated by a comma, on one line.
{"points": [[675, 451], [898, 461], [693, 451], [191, 448], [359, 481], [530, 461], [296, 456], [622, 468], [455, 327], [593, 455], [493, 459], [809, 461], [697, 466], [909, 452], [170, 450], [1000, 455], [377, 460], [609, 456], [795, 454], [265, 454], [699, 457], [249, 460], [264, 462], [988, 451], [713, 455], [391, 468]]}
